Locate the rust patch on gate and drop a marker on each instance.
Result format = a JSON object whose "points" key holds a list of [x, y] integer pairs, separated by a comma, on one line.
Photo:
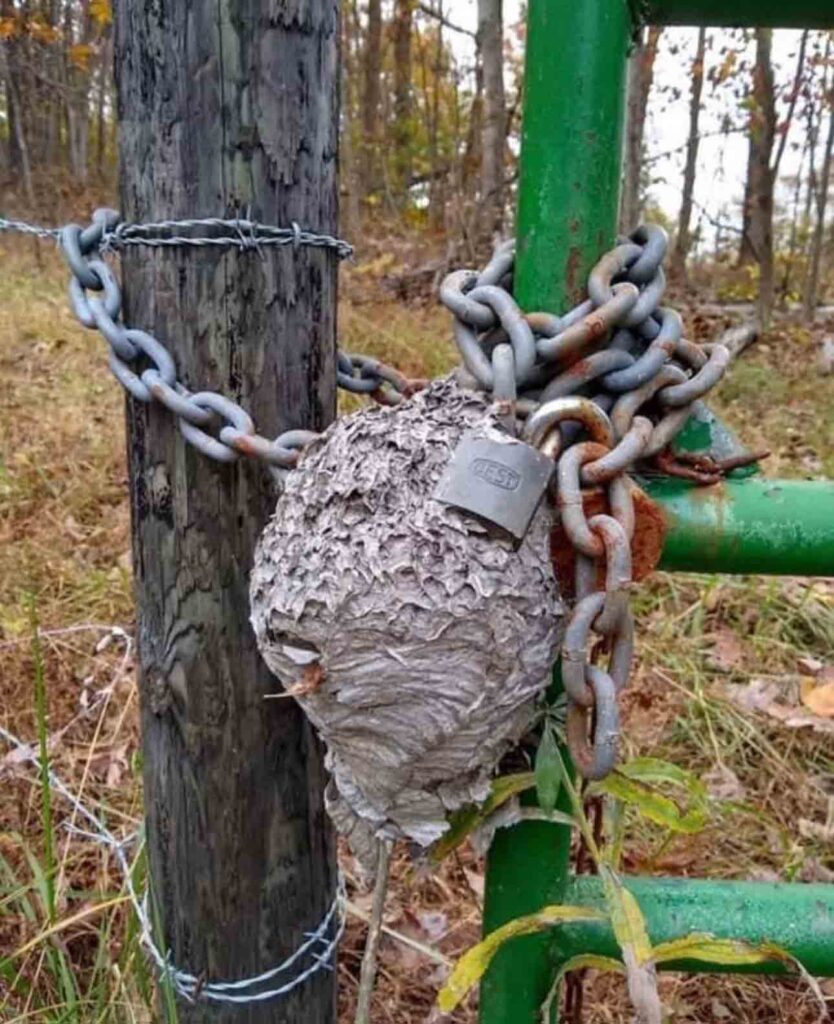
{"points": [[646, 545]]}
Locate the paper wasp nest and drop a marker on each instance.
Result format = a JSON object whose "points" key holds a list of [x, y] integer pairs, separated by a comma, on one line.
{"points": [[421, 635]]}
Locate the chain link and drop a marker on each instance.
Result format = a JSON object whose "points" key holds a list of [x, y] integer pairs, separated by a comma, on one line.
{"points": [[603, 388]]}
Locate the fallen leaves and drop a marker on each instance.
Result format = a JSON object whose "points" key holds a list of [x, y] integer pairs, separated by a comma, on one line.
{"points": [[726, 653], [782, 700], [818, 699]]}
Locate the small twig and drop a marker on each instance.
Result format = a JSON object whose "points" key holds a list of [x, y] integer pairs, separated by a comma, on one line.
{"points": [[419, 947], [367, 974]]}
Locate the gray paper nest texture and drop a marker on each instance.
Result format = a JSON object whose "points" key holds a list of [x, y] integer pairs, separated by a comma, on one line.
{"points": [[427, 634]]}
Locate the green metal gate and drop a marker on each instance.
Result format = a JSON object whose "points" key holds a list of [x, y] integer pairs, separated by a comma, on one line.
{"points": [[567, 212]]}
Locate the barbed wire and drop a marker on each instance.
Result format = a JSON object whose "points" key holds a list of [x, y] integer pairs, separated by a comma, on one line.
{"points": [[320, 945], [199, 232], [24, 228], [241, 233]]}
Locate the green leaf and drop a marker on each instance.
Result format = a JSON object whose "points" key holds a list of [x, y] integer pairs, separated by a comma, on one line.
{"points": [[548, 770], [467, 819], [635, 784], [655, 770], [472, 966], [652, 804], [727, 952]]}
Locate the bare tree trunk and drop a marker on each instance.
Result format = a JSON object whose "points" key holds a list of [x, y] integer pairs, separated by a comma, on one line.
{"points": [[809, 299], [18, 145], [437, 190], [77, 90], [757, 238], [101, 101], [490, 42], [684, 240], [640, 76], [370, 96], [403, 18], [350, 166], [793, 238]]}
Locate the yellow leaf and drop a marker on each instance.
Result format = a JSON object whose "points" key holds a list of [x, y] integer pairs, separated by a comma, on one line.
{"points": [[471, 967], [607, 964], [818, 699], [627, 920], [40, 30], [728, 952], [101, 12], [80, 55]]}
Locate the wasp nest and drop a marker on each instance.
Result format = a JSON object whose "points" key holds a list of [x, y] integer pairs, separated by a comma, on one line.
{"points": [[415, 637]]}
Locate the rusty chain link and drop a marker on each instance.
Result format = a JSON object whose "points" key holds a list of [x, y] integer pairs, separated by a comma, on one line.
{"points": [[616, 375]]}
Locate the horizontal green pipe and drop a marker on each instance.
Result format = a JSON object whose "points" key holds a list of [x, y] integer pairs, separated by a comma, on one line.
{"points": [[797, 917], [740, 13], [752, 525]]}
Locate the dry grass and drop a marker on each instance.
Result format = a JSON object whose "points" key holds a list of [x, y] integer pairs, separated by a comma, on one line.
{"points": [[64, 545]]}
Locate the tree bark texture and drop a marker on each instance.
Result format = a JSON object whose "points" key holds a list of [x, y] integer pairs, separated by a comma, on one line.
{"points": [[684, 239], [370, 95], [810, 296], [757, 239], [490, 41], [227, 106], [640, 76], [403, 24]]}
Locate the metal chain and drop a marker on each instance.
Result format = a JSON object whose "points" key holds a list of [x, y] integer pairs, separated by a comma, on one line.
{"points": [[617, 370], [214, 424], [615, 367]]}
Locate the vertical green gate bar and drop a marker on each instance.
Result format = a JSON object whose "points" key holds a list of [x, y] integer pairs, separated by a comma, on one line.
{"points": [[574, 105], [569, 184]]}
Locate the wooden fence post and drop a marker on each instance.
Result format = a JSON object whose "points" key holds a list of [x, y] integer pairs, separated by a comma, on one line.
{"points": [[227, 106]]}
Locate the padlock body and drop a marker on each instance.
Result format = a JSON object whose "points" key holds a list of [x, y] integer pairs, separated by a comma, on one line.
{"points": [[500, 481]]}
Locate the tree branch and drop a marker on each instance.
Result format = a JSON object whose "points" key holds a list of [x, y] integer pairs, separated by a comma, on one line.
{"points": [[800, 63], [444, 21]]}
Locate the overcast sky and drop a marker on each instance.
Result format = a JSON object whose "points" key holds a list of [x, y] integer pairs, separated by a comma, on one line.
{"points": [[722, 160]]}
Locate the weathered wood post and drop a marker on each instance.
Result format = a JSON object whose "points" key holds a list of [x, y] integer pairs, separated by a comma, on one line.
{"points": [[226, 105]]}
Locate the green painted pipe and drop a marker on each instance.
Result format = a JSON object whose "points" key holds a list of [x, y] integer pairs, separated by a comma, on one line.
{"points": [[752, 525], [738, 13], [799, 918], [574, 96]]}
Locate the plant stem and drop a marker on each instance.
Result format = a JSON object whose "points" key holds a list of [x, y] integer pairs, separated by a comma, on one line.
{"points": [[368, 972], [43, 742]]}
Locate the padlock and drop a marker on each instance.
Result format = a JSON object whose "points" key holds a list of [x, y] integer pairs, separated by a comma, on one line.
{"points": [[499, 479]]}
